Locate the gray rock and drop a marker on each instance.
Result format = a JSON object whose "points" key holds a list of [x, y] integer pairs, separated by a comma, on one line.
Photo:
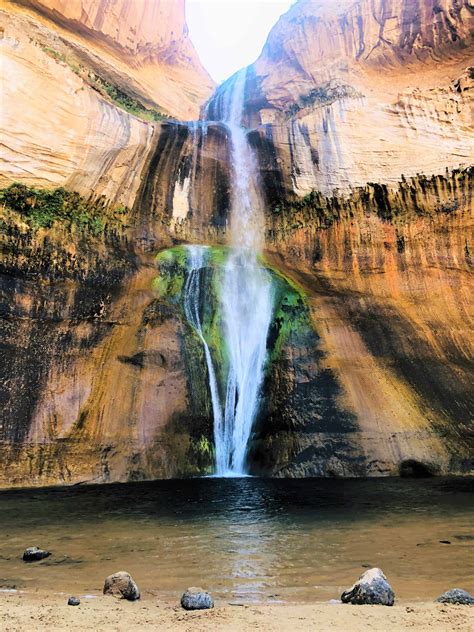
{"points": [[456, 596], [73, 601], [371, 588], [196, 599], [34, 554], [121, 585]]}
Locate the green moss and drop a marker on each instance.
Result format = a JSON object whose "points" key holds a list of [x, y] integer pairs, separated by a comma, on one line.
{"points": [[290, 321], [172, 267], [281, 277], [160, 286], [41, 208], [290, 326], [202, 453], [218, 255], [175, 255]]}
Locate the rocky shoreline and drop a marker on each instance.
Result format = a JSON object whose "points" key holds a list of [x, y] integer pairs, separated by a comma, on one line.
{"points": [[22, 611]]}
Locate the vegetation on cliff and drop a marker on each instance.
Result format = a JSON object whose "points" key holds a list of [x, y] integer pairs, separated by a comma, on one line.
{"points": [[124, 100], [59, 232], [322, 95], [107, 89], [40, 208], [290, 315], [290, 326], [420, 196]]}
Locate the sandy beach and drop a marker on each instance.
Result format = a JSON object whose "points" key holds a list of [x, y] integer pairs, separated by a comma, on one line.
{"points": [[20, 612]]}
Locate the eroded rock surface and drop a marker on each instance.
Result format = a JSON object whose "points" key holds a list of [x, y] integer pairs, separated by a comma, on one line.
{"points": [[335, 90], [362, 120], [144, 46]]}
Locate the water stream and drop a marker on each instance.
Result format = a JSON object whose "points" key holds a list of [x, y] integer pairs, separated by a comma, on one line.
{"points": [[246, 295], [197, 259]]}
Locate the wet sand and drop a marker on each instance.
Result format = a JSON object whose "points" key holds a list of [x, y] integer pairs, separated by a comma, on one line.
{"points": [[20, 612]]}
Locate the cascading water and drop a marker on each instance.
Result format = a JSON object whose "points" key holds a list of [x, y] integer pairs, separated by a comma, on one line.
{"points": [[246, 297], [247, 291], [197, 259]]}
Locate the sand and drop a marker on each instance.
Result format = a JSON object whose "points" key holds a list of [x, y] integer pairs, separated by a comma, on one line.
{"points": [[25, 612]]}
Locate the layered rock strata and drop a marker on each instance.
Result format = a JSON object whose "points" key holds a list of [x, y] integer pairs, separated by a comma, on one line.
{"points": [[362, 125]]}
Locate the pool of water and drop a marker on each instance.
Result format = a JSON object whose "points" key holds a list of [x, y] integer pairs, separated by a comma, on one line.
{"points": [[246, 539]]}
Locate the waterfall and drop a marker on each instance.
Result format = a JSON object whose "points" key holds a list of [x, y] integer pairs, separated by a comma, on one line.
{"points": [[247, 292], [246, 297], [192, 302]]}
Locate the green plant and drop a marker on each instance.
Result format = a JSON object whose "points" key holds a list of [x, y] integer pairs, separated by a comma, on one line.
{"points": [[41, 208], [125, 101], [54, 53], [106, 89]]}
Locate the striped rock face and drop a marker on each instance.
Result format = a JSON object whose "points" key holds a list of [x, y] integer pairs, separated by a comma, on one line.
{"points": [[359, 121]]}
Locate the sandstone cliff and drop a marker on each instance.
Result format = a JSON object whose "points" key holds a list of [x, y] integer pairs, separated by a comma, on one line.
{"points": [[366, 91], [106, 76], [143, 45], [362, 124]]}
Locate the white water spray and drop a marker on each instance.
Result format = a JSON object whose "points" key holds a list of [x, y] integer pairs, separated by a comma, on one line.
{"points": [[246, 297], [197, 259], [247, 292]]}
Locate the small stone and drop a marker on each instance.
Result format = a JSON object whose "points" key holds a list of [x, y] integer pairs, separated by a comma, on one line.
{"points": [[196, 599], [371, 588], [456, 596], [34, 554], [73, 601], [121, 585]]}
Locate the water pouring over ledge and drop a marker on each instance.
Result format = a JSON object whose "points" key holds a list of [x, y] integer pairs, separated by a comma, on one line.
{"points": [[246, 296]]}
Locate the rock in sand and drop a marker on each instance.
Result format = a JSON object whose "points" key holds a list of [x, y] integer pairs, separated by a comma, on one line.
{"points": [[196, 599], [121, 585], [371, 588], [456, 596], [73, 601], [34, 554]]}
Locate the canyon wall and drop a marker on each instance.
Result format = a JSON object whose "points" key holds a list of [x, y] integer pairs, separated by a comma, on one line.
{"points": [[359, 92], [361, 118], [105, 75], [370, 93], [143, 48]]}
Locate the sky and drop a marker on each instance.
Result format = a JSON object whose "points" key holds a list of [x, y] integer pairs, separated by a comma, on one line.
{"points": [[229, 34]]}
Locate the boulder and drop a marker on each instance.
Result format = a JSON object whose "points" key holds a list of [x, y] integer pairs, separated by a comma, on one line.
{"points": [[121, 585], [371, 588], [196, 599], [456, 596], [73, 601], [34, 554]]}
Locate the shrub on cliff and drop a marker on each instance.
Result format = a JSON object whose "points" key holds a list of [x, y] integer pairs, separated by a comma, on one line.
{"points": [[42, 207]]}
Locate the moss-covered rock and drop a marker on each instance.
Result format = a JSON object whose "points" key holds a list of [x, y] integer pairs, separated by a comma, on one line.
{"points": [[290, 326]]}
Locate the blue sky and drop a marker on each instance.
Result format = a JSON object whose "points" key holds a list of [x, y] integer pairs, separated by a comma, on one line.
{"points": [[229, 34]]}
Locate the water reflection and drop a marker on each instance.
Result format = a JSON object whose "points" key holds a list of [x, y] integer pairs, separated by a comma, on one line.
{"points": [[244, 539], [250, 543]]}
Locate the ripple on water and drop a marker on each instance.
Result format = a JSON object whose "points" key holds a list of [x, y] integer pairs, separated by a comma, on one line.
{"points": [[243, 539]]}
